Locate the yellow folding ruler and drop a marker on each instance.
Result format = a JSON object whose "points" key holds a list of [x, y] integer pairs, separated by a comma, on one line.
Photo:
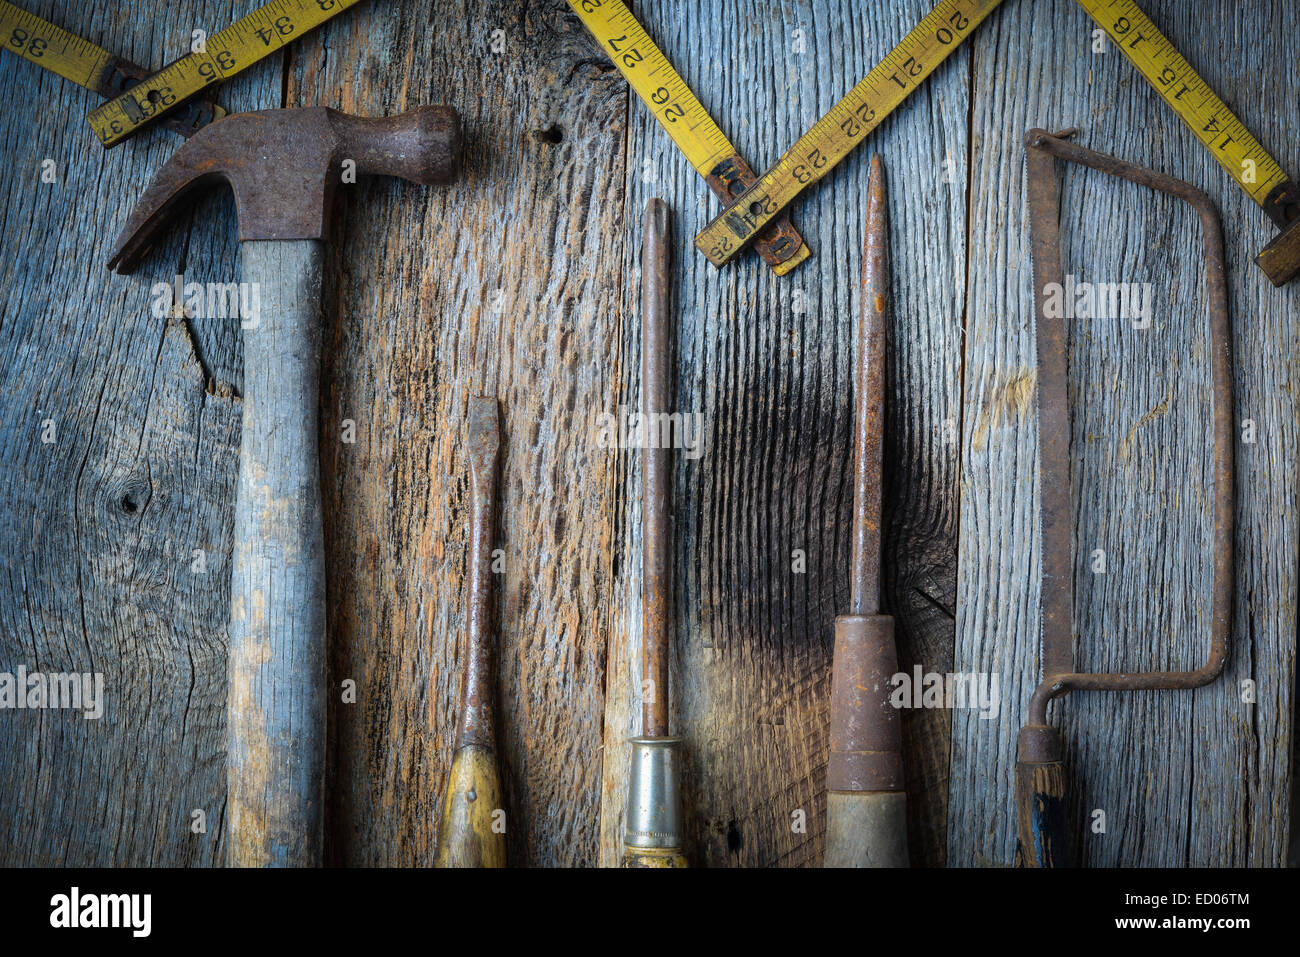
{"points": [[239, 46], [1225, 136], [836, 134], [85, 64], [686, 121]]}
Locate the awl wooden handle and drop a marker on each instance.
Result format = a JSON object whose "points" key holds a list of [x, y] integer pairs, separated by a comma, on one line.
{"points": [[866, 829]]}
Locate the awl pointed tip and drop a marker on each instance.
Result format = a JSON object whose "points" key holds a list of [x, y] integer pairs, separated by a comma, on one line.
{"points": [[876, 179]]}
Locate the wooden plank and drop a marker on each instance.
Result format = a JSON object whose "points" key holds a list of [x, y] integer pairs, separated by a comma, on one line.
{"points": [[505, 283], [521, 281], [407, 344], [102, 523], [767, 361], [1183, 778]]}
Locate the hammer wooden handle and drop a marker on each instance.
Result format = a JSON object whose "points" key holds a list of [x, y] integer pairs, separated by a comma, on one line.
{"points": [[277, 703]]}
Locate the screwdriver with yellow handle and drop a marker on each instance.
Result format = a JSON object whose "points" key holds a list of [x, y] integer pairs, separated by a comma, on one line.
{"points": [[472, 832]]}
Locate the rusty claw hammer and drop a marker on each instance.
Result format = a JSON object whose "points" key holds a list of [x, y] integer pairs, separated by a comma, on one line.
{"points": [[283, 166]]}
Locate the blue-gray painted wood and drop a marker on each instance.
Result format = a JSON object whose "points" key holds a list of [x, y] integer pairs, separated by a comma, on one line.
{"points": [[117, 534], [520, 281]]}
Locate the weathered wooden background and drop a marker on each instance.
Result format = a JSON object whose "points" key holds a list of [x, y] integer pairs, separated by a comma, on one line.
{"points": [[521, 280]]}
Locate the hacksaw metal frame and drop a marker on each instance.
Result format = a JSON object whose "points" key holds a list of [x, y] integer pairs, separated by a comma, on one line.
{"points": [[1042, 149]]}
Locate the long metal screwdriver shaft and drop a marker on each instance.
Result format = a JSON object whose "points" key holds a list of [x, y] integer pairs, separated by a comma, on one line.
{"points": [[866, 806], [652, 837], [476, 724], [471, 834], [656, 511], [869, 382]]}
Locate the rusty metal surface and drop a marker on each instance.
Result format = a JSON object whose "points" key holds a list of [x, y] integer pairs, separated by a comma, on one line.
{"points": [[652, 833], [1283, 205], [475, 725], [866, 733], [779, 242], [1042, 148], [284, 166], [1056, 600], [1045, 837], [656, 507], [874, 315], [1280, 259]]}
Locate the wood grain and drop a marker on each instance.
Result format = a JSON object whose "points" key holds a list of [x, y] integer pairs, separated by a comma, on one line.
{"points": [[1182, 778], [768, 363], [506, 284], [520, 281], [102, 524], [275, 714]]}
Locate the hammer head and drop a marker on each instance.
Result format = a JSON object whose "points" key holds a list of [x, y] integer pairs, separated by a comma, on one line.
{"points": [[284, 166]]}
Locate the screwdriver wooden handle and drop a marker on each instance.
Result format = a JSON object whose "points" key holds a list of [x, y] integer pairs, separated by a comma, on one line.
{"points": [[1043, 835], [470, 835], [653, 857]]}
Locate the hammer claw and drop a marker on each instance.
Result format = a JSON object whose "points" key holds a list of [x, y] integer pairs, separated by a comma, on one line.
{"points": [[284, 166]]}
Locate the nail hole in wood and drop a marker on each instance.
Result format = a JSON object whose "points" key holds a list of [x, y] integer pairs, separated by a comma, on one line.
{"points": [[552, 134]]}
